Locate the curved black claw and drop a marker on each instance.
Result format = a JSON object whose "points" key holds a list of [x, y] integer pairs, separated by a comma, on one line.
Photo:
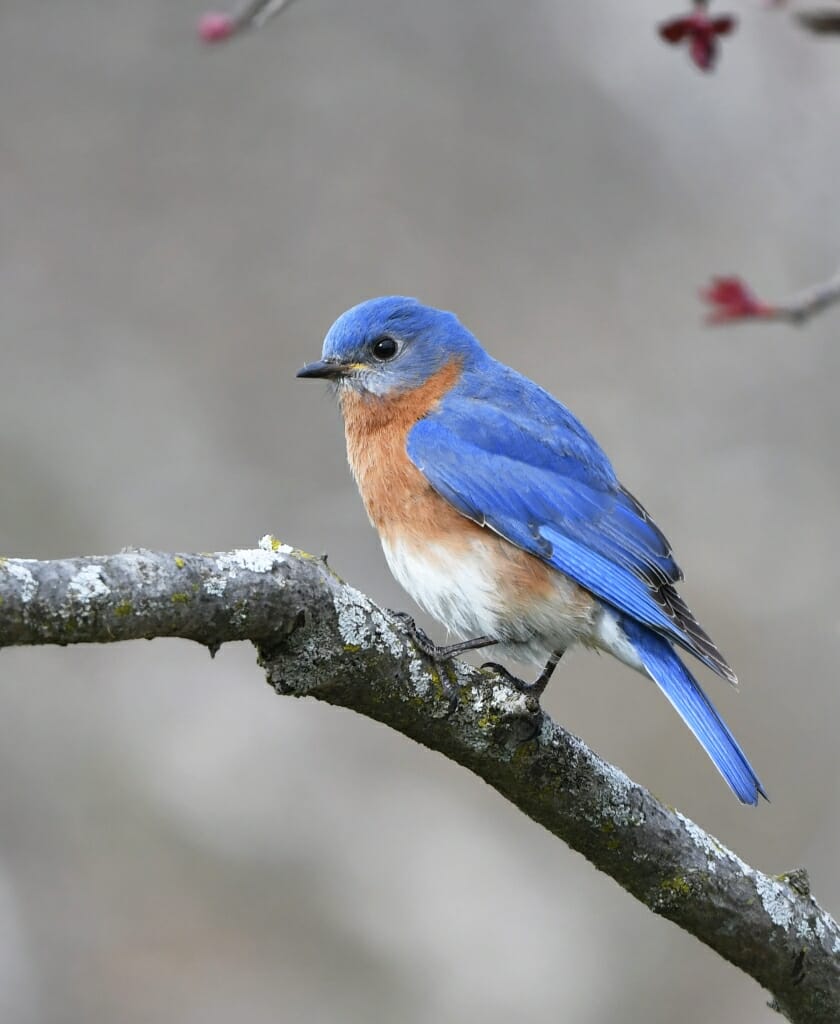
{"points": [[534, 689], [420, 637], [439, 654], [509, 677]]}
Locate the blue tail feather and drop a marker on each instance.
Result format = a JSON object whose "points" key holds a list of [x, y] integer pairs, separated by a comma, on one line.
{"points": [[696, 710]]}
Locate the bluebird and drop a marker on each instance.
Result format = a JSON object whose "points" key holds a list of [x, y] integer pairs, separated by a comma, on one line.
{"points": [[502, 517]]}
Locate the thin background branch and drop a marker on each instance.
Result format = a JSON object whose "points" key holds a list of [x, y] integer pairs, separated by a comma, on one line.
{"points": [[822, 22], [730, 300]]}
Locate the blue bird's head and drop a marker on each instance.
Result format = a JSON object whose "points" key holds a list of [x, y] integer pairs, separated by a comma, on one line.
{"points": [[389, 345]]}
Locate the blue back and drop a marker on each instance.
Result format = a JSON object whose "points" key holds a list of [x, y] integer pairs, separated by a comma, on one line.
{"points": [[507, 454]]}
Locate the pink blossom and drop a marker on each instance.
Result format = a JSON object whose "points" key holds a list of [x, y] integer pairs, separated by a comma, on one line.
{"points": [[701, 32], [730, 299], [214, 27]]}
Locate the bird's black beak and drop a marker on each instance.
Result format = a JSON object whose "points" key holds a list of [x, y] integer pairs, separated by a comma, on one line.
{"points": [[325, 369]]}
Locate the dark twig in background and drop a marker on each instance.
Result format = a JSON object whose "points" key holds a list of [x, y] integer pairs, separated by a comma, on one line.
{"points": [[821, 22]]}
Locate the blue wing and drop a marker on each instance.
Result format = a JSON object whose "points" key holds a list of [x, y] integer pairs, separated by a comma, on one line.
{"points": [[508, 455]]}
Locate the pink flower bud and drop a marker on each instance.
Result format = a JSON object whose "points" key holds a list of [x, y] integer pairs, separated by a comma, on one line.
{"points": [[730, 299], [701, 32], [214, 27]]}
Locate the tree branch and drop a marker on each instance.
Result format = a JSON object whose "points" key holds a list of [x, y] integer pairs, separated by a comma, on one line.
{"points": [[811, 301], [320, 638]]}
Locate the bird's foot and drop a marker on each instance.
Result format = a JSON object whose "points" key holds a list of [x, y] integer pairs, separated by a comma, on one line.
{"points": [[439, 653], [534, 689], [508, 676]]}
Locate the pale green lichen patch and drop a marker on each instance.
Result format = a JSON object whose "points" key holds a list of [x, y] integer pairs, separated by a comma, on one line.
{"points": [[179, 562], [362, 625], [419, 678], [714, 851], [252, 560], [263, 559], [670, 893], [776, 899], [270, 543], [615, 802], [123, 609], [494, 705], [353, 609], [421, 684], [215, 585], [180, 598], [508, 701], [25, 580], [810, 927], [676, 885], [88, 584], [617, 791]]}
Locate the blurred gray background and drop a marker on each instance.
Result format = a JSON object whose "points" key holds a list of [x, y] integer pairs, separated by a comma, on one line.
{"points": [[178, 229]]}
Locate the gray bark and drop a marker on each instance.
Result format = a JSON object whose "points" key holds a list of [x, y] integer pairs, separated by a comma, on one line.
{"points": [[318, 637]]}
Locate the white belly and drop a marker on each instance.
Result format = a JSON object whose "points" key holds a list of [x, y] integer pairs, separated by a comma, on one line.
{"points": [[464, 588]]}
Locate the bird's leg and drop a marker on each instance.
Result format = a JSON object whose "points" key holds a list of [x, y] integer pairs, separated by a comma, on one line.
{"points": [[539, 684], [430, 648]]}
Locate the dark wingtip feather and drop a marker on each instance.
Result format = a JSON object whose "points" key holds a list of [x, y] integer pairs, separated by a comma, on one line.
{"points": [[699, 642]]}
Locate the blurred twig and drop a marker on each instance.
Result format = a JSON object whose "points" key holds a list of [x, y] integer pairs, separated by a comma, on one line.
{"points": [[822, 22], [731, 300], [215, 26], [320, 638]]}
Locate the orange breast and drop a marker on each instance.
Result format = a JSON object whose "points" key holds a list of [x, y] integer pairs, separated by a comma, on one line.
{"points": [[401, 503], [395, 493]]}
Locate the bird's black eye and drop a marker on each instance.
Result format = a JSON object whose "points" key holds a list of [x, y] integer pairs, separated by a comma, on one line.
{"points": [[384, 348]]}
